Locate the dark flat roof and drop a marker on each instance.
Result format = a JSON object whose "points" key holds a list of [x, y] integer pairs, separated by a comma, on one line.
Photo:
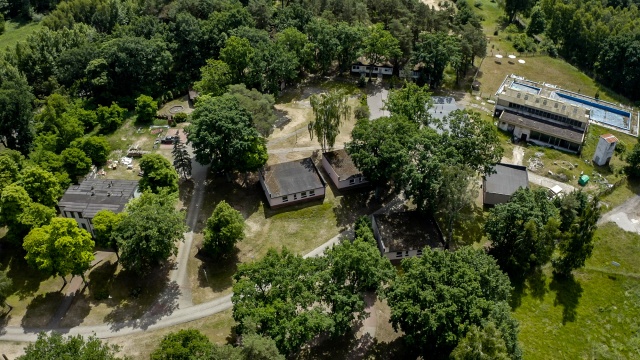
{"points": [[507, 179], [292, 177], [94, 195], [342, 164], [408, 231], [543, 126]]}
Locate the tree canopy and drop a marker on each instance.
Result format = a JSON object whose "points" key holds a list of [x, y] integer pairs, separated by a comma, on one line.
{"points": [[55, 346], [59, 248], [438, 297], [224, 229], [149, 230], [329, 110], [157, 174]]}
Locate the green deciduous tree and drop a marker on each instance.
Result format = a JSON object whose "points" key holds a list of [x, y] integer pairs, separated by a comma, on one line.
{"points": [[95, 147], [16, 109], [435, 51], [182, 345], [110, 118], [146, 109], [224, 229], [237, 54], [60, 248], [481, 343], [256, 347], [457, 191], [439, 296], [41, 185], [412, 102], [633, 162], [259, 105], [157, 174], [329, 110], [9, 171], [54, 346], [523, 231], [149, 231], [13, 202], [75, 163], [215, 77], [104, 224], [537, 21], [576, 243], [380, 46], [223, 136]]}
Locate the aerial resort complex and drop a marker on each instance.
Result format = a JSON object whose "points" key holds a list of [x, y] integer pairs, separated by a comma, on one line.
{"points": [[547, 115]]}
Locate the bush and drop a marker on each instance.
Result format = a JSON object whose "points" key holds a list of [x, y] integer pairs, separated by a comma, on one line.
{"points": [[512, 29], [523, 43], [478, 4], [362, 81], [362, 112], [180, 117], [550, 48]]}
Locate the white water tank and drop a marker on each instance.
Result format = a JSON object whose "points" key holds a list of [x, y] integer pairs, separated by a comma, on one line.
{"points": [[605, 149]]}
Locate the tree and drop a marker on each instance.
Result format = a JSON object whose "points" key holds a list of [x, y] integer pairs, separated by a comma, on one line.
{"points": [[95, 147], [435, 51], [350, 39], [181, 159], [380, 46], [537, 22], [182, 345], [16, 109], [75, 163], [60, 248], [13, 202], [523, 231], [6, 287], [9, 171], [457, 191], [438, 297], [576, 243], [222, 135], [323, 43], [149, 230], [256, 347], [381, 149], [157, 174], [412, 102], [261, 107], [54, 346], [104, 224], [56, 124], [237, 54], [110, 118], [328, 110], [146, 109], [633, 162], [41, 185], [481, 343], [224, 229], [215, 77], [513, 7]]}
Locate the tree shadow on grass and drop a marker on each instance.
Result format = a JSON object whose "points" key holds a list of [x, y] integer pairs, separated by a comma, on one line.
{"points": [[26, 280], [353, 204], [41, 309], [469, 229], [217, 274], [140, 304], [534, 284], [5, 317], [352, 347], [568, 293]]}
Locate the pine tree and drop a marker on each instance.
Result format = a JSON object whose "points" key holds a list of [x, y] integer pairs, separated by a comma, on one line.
{"points": [[181, 159]]}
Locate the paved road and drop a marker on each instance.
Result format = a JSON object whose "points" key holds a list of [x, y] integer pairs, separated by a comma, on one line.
{"points": [[549, 183]]}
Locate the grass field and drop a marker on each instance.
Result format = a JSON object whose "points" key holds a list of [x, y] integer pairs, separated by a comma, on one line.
{"points": [[15, 32], [591, 316]]}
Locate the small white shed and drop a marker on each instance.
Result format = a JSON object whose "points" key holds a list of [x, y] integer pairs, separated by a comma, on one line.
{"points": [[605, 149]]}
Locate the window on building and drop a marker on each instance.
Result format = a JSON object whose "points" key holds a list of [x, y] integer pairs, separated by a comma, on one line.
{"points": [[285, 198], [355, 67], [83, 226], [526, 97], [295, 196], [79, 215], [544, 103], [352, 181], [399, 254], [303, 194], [419, 252], [312, 192]]}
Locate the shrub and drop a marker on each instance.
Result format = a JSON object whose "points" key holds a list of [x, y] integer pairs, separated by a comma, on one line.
{"points": [[180, 117], [224, 229]]}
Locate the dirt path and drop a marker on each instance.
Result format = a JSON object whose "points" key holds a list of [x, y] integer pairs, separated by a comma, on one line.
{"points": [[626, 215], [517, 159]]}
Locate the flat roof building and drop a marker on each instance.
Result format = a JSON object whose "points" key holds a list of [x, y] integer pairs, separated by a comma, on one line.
{"points": [[82, 202], [405, 234], [498, 187], [292, 182]]}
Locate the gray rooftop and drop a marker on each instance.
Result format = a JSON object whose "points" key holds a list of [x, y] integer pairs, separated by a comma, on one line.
{"points": [[342, 164], [507, 179], [292, 177], [408, 230], [94, 195], [544, 126]]}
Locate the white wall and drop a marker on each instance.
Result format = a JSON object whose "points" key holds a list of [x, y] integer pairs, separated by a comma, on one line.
{"points": [[375, 70], [604, 152], [291, 198], [341, 184], [386, 252]]}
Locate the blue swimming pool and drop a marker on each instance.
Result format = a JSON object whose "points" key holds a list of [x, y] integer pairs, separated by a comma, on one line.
{"points": [[527, 88], [599, 112]]}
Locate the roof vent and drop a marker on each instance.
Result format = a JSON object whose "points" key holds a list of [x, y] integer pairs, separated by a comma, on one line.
{"points": [[92, 192], [109, 193]]}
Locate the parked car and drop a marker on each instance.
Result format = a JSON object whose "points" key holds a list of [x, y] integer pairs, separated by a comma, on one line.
{"points": [[169, 139]]}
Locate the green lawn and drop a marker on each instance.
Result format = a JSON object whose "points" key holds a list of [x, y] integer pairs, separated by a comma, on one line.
{"points": [[16, 31], [592, 316]]}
